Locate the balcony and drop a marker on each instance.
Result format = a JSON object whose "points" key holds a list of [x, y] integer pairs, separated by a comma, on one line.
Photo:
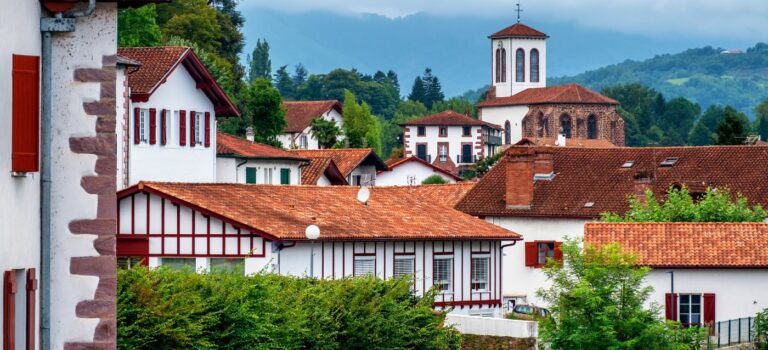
{"points": [[492, 139], [466, 159]]}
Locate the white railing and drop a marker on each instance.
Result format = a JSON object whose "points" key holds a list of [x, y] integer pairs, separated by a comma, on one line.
{"points": [[499, 327]]}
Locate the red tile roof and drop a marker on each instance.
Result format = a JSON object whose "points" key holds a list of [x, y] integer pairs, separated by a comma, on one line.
{"points": [[283, 212], [320, 166], [299, 114], [394, 163], [449, 118], [584, 143], [347, 159], [518, 30], [561, 94], [157, 63], [584, 175], [687, 245], [227, 144]]}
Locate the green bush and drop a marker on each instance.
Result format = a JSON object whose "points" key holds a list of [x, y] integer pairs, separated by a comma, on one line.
{"points": [[761, 330], [434, 180], [164, 309]]}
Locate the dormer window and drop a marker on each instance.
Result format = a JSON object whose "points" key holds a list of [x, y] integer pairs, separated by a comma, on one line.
{"points": [[443, 131]]}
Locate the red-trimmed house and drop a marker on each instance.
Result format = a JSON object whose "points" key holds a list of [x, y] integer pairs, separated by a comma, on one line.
{"points": [[299, 115], [395, 233], [411, 171], [241, 160], [168, 107], [358, 166]]}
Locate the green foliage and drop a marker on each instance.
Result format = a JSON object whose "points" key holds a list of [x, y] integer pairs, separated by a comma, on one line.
{"points": [[597, 300], [362, 129], [264, 108], [163, 309], [427, 89], [137, 27], [284, 83], [716, 205], [482, 166], [259, 64], [761, 120], [456, 104], [193, 20], [434, 180], [733, 129], [761, 330], [325, 131]]}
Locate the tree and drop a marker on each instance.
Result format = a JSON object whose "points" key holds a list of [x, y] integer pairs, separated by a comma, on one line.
{"points": [[193, 20], [677, 120], [733, 129], [418, 92], [299, 75], [433, 91], [312, 89], [361, 128], [456, 104], [761, 120], [716, 205], [138, 27], [259, 64], [597, 301], [266, 112], [701, 135], [434, 180], [284, 83], [325, 131]]}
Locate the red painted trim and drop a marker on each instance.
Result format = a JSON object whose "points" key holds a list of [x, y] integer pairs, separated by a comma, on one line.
{"points": [[239, 241], [461, 151], [192, 129], [164, 126], [178, 228], [423, 268], [152, 126], [182, 128], [31, 308], [322, 260], [148, 215], [439, 133], [447, 151], [208, 239], [343, 258], [333, 260], [133, 214], [462, 304], [207, 129], [162, 225], [9, 309], [223, 237], [418, 160], [193, 233], [462, 271]]}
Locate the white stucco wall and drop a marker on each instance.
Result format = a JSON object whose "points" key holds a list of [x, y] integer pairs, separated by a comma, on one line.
{"points": [[227, 170], [364, 170], [292, 140], [500, 115], [121, 90], [511, 87], [409, 173], [172, 162], [19, 196], [323, 181], [454, 139]]}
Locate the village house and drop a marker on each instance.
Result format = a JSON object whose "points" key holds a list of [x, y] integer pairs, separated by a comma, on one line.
{"points": [[385, 232], [358, 166], [322, 171], [450, 141], [719, 271], [245, 161], [548, 193], [299, 115], [167, 126], [411, 171]]}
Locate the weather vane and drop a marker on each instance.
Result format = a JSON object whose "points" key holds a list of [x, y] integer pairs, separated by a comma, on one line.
{"points": [[518, 11]]}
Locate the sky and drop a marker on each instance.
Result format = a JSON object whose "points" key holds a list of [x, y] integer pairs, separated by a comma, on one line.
{"points": [[450, 36]]}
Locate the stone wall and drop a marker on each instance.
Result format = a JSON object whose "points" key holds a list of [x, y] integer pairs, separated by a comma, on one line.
{"points": [[610, 125]]}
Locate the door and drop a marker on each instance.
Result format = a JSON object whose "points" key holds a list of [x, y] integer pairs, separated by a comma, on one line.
{"points": [[421, 152]]}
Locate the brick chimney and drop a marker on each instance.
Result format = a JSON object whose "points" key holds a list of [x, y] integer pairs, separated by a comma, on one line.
{"points": [[643, 181], [543, 163], [249, 134], [519, 177]]}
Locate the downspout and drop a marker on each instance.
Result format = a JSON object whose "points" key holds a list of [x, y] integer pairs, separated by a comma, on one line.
{"points": [[48, 25], [237, 166]]}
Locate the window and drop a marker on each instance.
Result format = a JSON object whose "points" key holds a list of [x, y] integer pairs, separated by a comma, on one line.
{"points": [[421, 152], [182, 128], [129, 262], [144, 125], [443, 152], [268, 176], [443, 131], [542, 127], [303, 141], [628, 164], [250, 175], [364, 265], [421, 131], [690, 309], [179, 263], [466, 131], [669, 161], [545, 250], [507, 133], [285, 176], [405, 265], [466, 153], [443, 273], [199, 128], [592, 127], [498, 64], [172, 123], [537, 253], [520, 66], [565, 125], [534, 66], [501, 64], [223, 265], [25, 114], [479, 273], [356, 180]]}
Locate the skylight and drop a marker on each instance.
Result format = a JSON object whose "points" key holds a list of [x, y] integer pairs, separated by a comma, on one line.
{"points": [[669, 161], [628, 164], [589, 204]]}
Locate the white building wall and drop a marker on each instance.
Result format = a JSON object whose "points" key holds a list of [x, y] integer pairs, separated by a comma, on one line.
{"points": [[19, 196], [292, 140], [368, 171], [323, 181], [500, 115], [172, 162], [432, 139], [121, 127], [408, 174], [227, 170], [510, 86]]}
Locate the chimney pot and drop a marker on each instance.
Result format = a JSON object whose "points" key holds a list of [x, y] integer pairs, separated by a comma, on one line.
{"points": [[249, 134]]}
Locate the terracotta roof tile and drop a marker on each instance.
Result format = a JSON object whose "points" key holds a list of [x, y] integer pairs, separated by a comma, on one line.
{"points": [[686, 245], [450, 118], [561, 94], [318, 167], [283, 212], [347, 159], [594, 175], [227, 144], [518, 30], [299, 114], [583, 143]]}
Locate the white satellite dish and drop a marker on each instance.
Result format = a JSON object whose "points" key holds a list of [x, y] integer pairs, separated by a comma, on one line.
{"points": [[363, 195]]}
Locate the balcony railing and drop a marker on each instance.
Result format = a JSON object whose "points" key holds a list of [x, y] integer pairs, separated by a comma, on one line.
{"points": [[466, 158], [492, 139]]}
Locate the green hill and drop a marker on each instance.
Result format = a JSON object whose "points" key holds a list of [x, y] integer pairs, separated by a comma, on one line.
{"points": [[704, 75]]}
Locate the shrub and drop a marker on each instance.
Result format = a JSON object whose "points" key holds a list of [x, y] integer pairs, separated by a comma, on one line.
{"points": [[434, 180], [761, 330]]}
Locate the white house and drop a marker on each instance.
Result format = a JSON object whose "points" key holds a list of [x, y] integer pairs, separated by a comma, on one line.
{"points": [[520, 101], [299, 115], [168, 128], [719, 271], [411, 171], [322, 171], [392, 233], [450, 141], [549, 193], [358, 166], [244, 161]]}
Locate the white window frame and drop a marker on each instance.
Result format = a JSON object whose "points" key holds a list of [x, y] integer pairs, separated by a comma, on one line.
{"points": [[303, 141], [199, 128], [367, 259], [449, 281], [267, 176], [442, 150], [690, 306], [411, 260], [473, 279], [143, 126]]}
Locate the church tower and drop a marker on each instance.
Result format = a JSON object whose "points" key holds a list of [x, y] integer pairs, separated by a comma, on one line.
{"points": [[519, 59]]}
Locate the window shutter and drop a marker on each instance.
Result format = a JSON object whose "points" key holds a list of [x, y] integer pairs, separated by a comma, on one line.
{"points": [[192, 136], [9, 310], [182, 128], [152, 126], [136, 125], [31, 324], [25, 114], [250, 175], [670, 306], [163, 126], [207, 129], [709, 309], [363, 266], [531, 258], [285, 176], [558, 253]]}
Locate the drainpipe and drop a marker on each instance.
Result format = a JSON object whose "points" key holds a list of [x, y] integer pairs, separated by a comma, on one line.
{"points": [[237, 166], [61, 22]]}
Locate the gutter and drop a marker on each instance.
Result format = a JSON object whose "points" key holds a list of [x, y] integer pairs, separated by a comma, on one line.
{"points": [[60, 23]]}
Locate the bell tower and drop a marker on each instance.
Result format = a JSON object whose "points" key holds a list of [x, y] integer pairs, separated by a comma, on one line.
{"points": [[518, 59]]}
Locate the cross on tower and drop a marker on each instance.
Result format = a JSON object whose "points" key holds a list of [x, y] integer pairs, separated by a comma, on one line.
{"points": [[518, 10]]}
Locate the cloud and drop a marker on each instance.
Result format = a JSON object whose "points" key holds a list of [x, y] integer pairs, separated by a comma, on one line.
{"points": [[686, 18]]}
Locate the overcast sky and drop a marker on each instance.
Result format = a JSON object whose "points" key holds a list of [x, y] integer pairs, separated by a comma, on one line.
{"points": [[737, 19]]}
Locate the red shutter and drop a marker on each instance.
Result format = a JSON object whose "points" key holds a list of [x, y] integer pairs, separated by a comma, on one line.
{"points": [[136, 125], [31, 298], [163, 126], [207, 129], [192, 136], [558, 253], [670, 306], [25, 111], [9, 309], [182, 128], [531, 255], [152, 126], [709, 309]]}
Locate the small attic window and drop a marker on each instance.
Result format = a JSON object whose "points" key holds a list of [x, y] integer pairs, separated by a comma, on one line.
{"points": [[669, 161], [628, 164], [589, 204]]}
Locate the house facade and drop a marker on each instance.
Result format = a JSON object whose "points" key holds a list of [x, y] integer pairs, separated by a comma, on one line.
{"points": [[450, 141], [299, 114], [392, 234], [358, 166], [411, 171], [168, 126], [247, 162]]}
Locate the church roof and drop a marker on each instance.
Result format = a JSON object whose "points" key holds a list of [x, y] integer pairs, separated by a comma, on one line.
{"points": [[569, 93], [518, 30]]}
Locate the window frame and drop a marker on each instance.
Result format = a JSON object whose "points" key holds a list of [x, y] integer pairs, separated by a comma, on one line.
{"points": [[303, 141], [143, 126], [426, 151], [268, 176], [163, 262], [534, 78], [363, 257], [466, 157], [401, 257], [548, 252], [239, 261], [473, 282], [255, 174], [566, 119], [199, 128], [421, 131], [690, 306], [449, 282], [466, 131], [443, 157], [592, 127], [442, 131], [520, 65], [285, 176]]}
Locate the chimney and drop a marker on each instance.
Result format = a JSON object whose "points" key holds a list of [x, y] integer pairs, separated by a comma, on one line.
{"points": [[249, 134], [519, 177], [543, 164], [643, 181]]}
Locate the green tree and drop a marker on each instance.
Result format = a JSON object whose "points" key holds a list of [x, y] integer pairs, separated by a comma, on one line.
{"points": [[677, 120], [325, 131], [259, 64], [434, 180], [701, 135], [265, 111], [733, 129], [418, 91], [712, 117], [597, 300], [761, 120], [193, 20], [433, 90], [361, 128], [137, 27], [456, 104], [284, 83], [312, 89], [299, 75]]}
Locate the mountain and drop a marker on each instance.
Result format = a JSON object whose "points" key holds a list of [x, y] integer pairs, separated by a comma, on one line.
{"points": [[705, 75]]}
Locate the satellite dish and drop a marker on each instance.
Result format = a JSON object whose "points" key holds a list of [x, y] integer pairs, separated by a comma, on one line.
{"points": [[363, 195]]}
